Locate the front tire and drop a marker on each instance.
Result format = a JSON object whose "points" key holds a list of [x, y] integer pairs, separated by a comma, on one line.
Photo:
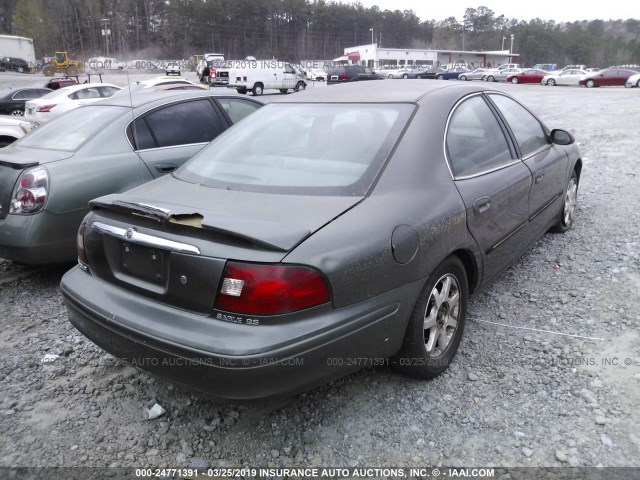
{"points": [[258, 89], [514, 80], [590, 83], [437, 322], [16, 112], [551, 82], [463, 77], [491, 78], [405, 76], [440, 77], [48, 71], [300, 86], [567, 215]]}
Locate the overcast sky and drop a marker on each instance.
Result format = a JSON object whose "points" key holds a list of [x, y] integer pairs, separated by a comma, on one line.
{"points": [[557, 10]]}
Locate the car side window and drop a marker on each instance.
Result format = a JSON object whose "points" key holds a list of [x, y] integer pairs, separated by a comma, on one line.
{"points": [[108, 91], [140, 136], [529, 133], [185, 123], [237, 109], [475, 142]]}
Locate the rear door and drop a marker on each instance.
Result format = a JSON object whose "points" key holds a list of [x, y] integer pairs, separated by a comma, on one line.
{"points": [[493, 182], [168, 136]]}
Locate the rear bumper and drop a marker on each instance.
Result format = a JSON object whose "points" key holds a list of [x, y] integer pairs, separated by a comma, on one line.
{"points": [[235, 361], [41, 238]]}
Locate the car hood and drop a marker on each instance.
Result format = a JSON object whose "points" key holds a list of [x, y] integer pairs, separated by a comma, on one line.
{"points": [[273, 221], [18, 157]]}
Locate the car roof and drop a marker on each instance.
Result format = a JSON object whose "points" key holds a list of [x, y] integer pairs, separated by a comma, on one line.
{"points": [[139, 98], [83, 86], [379, 91]]}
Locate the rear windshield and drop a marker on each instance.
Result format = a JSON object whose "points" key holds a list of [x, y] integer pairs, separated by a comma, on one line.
{"points": [[77, 127], [311, 149]]}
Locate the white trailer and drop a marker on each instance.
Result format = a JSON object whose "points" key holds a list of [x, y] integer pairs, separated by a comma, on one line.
{"points": [[20, 47], [256, 76]]}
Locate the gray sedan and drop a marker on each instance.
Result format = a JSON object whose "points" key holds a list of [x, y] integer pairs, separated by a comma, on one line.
{"points": [[48, 177], [477, 74], [329, 231], [501, 75]]}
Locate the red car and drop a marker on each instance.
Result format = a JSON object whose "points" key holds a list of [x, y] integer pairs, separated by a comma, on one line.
{"points": [[527, 76], [608, 77]]}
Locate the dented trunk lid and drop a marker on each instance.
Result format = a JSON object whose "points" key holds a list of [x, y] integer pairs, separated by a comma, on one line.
{"points": [[181, 236]]}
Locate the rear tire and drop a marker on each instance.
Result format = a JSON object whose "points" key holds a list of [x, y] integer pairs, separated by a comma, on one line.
{"points": [[48, 70], [463, 77], [491, 78], [258, 89], [440, 77], [300, 86], [405, 76], [514, 80], [72, 70], [567, 215], [283, 90], [16, 112], [437, 322]]}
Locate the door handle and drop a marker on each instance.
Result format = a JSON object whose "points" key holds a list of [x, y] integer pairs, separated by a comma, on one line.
{"points": [[166, 167], [481, 205], [539, 176]]}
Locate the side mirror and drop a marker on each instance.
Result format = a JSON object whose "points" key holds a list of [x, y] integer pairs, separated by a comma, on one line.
{"points": [[561, 137]]}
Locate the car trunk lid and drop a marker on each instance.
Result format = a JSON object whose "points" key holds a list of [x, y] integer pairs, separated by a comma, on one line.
{"points": [[176, 253]]}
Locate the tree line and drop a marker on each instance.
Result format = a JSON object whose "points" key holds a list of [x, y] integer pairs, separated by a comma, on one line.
{"points": [[296, 30]]}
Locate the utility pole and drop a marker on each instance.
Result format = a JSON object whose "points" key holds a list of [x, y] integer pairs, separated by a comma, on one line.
{"points": [[106, 31]]}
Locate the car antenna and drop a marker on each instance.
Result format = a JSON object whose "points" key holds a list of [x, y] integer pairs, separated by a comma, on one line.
{"points": [[133, 117]]}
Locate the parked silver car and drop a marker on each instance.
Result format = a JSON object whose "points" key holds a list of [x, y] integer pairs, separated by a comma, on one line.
{"points": [[48, 176]]}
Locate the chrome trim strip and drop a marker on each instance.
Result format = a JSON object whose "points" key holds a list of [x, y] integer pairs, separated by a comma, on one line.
{"points": [[544, 207], [507, 237], [133, 236]]}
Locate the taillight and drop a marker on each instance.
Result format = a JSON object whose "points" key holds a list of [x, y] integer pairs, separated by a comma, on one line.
{"points": [[343, 77], [30, 192], [82, 254], [212, 72], [270, 289], [45, 108]]}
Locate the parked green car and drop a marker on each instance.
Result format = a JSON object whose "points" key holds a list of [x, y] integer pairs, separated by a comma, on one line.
{"points": [[48, 177]]}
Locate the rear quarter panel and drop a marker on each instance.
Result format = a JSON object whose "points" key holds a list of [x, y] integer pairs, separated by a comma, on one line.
{"points": [[415, 189], [106, 164]]}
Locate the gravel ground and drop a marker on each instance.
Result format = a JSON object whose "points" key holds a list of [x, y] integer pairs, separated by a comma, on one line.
{"points": [[548, 372]]}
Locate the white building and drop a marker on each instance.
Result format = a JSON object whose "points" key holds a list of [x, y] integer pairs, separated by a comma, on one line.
{"points": [[375, 57]]}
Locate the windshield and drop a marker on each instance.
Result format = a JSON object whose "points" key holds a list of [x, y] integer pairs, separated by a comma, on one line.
{"points": [[311, 149], [72, 129]]}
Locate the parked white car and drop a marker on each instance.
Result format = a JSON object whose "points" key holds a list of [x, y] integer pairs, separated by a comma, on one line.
{"points": [[11, 129], [52, 105], [564, 77], [172, 68], [266, 75], [632, 81], [316, 74]]}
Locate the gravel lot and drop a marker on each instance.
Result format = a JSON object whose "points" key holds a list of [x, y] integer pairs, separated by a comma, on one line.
{"points": [[548, 372]]}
